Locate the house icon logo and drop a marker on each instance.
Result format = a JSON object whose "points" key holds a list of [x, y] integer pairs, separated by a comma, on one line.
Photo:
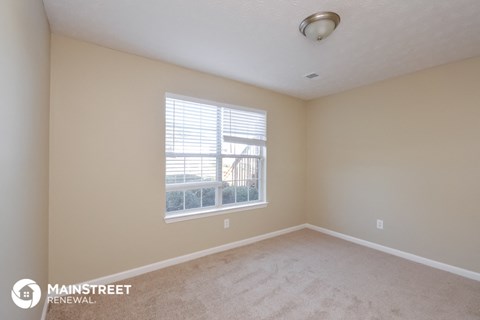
{"points": [[26, 293]]}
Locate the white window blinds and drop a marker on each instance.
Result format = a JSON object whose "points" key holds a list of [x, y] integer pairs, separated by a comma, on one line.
{"points": [[198, 128], [214, 154], [244, 126], [191, 127]]}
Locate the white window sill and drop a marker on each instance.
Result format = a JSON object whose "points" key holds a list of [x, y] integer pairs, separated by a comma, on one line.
{"points": [[214, 212]]}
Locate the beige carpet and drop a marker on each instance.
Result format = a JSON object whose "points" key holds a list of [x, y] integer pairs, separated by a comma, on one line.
{"points": [[301, 275]]}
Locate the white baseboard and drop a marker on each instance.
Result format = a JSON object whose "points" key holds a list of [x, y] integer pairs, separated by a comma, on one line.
{"points": [[409, 256], [195, 255], [199, 254], [45, 309], [170, 262]]}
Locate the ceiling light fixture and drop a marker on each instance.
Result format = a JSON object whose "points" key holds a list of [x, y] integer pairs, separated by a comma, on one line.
{"points": [[319, 25]]}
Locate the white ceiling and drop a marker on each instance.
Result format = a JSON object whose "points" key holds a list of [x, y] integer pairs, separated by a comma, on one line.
{"points": [[258, 41]]}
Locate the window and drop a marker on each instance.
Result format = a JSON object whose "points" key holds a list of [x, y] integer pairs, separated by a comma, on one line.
{"points": [[215, 156]]}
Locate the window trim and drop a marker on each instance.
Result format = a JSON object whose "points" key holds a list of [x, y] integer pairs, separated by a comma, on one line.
{"points": [[262, 202], [190, 215], [213, 103]]}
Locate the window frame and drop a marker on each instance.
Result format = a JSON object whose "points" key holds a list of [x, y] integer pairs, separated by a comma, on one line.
{"points": [[219, 207]]}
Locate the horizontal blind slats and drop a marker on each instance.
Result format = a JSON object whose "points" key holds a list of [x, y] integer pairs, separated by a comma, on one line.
{"points": [[244, 124], [190, 127], [192, 140]]}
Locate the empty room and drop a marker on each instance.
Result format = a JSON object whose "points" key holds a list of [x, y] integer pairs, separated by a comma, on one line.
{"points": [[201, 159]]}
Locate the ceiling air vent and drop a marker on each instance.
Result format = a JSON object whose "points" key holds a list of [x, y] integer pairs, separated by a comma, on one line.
{"points": [[311, 75]]}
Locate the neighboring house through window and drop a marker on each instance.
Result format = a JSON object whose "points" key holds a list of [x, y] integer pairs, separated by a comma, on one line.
{"points": [[215, 156]]}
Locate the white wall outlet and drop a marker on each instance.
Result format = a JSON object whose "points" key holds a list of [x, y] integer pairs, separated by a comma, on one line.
{"points": [[226, 223], [379, 224]]}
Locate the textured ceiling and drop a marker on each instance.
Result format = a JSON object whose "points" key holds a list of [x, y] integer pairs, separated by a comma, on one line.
{"points": [[258, 41]]}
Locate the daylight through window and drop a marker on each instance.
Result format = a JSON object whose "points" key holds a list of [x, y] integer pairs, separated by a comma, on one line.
{"points": [[215, 156]]}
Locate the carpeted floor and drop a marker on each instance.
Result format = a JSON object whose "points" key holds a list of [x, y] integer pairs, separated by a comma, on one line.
{"points": [[301, 275]]}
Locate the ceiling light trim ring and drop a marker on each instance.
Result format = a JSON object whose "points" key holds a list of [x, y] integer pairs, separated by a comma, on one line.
{"points": [[318, 16]]}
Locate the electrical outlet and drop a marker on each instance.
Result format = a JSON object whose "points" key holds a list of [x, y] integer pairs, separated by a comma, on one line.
{"points": [[226, 223], [379, 224]]}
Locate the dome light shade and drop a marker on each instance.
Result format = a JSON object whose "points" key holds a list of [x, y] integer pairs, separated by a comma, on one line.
{"points": [[319, 25]]}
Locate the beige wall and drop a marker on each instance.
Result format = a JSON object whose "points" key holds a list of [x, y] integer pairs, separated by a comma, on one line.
{"points": [[24, 105], [107, 162], [405, 150]]}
